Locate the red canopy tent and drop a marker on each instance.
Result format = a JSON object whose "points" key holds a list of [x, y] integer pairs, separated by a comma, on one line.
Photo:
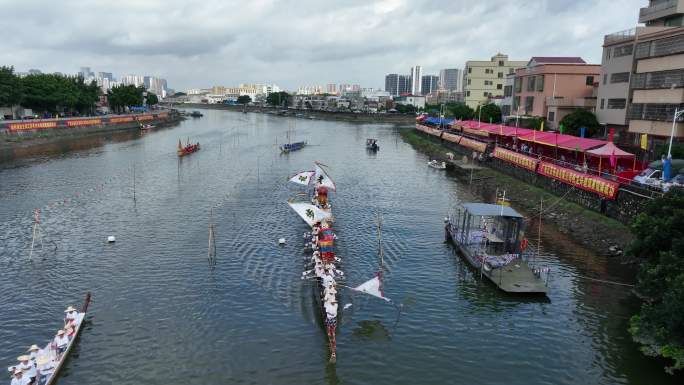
{"points": [[608, 150]]}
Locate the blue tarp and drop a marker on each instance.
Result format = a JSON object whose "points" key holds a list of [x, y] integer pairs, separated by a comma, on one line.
{"points": [[438, 121]]}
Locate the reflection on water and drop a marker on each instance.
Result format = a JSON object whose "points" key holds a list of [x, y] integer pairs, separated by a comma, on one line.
{"points": [[161, 315]]}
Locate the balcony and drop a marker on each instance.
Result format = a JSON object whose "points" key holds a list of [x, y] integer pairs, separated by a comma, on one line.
{"points": [[562, 102], [659, 10]]}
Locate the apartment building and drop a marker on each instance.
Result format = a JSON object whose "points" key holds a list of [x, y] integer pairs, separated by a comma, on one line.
{"points": [[484, 79], [642, 75], [553, 87]]}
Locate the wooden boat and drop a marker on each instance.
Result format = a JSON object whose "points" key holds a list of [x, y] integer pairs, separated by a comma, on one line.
{"points": [[289, 147], [48, 355], [491, 238], [196, 114], [438, 165], [372, 144], [188, 149]]}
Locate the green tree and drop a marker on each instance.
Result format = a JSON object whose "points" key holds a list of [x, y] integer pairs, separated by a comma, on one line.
{"points": [[152, 99], [124, 96], [659, 245], [244, 99], [278, 99], [406, 108], [460, 111], [10, 87], [489, 112], [58, 93], [574, 121]]}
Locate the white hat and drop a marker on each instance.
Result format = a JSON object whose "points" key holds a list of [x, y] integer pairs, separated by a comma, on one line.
{"points": [[60, 332], [17, 371], [42, 360], [70, 308], [23, 358], [33, 347]]}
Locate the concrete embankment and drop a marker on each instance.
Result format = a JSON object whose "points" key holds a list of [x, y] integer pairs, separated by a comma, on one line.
{"points": [[596, 231], [16, 137], [403, 119]]}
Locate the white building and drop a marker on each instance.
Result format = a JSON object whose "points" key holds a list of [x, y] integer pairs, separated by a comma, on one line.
{"points": [[416, 80]]}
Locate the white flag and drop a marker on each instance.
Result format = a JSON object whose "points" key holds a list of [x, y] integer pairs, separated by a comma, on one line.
{"points": [[309, 213], [322, 178], [303, 178], [372, 287]]}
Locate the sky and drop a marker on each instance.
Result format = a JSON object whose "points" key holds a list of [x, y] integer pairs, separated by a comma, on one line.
{"points": [[199, 44]]}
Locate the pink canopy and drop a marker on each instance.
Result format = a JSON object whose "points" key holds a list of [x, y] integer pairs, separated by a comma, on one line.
{"points": [[567, 142], [608, 150]]}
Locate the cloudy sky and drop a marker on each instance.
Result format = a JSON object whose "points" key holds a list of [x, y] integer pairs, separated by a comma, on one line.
{"points": [[198, 44]]}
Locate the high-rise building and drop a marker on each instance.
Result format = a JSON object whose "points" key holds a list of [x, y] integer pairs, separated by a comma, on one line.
{"points": [[404, 84], [450, 79], [134, 80], [428, 84], [331, 89], [416, 79], [105, 75], [392, 84], [484, 79], [85, 72]]}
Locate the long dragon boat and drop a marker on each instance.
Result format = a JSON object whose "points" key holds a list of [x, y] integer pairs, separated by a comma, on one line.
{"points": [[289, 147], [318, 215]]}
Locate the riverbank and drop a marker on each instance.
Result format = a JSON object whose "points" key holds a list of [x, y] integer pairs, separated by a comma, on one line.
{"points": [[308, 114], [15, 145], [595, 231]]}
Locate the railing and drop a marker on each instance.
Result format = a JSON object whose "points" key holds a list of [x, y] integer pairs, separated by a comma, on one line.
{"points": [[621, 35], [647, 11]]}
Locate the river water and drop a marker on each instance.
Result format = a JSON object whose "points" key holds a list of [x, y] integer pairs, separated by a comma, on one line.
{"points": [[162, 315]]}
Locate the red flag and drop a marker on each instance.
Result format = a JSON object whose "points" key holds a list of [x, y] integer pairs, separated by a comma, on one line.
{"points": [[611, 134], [613, 159]]}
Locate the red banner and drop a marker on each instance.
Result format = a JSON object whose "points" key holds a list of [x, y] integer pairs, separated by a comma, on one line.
{"points": [[595, 184], [32, 125], [473, 144], [517, 159], [83, 122], [121, 119]]}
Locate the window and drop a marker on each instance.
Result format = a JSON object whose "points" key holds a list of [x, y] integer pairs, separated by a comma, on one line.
{"points": [[552, 116], [607, 54], [675, 21], [499, 86], [470, 70], [516, 103], [605, 79], [501, 63], [616, 104], [619, 77], [511, 71], [530, 83], [540, 83], [468, 81], [602, 103], [508, 91], [660, 79], [489, 71], [623, 50], [500, 75], [529, 103], [661, 112], [668, 46], [590, 80], [468, 93], [505, 110], [485, 94], [488, 82], [518, 84]]}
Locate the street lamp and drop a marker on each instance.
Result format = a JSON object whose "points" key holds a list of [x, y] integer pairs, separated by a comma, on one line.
{"points": [[677, 114], [479, 113]]}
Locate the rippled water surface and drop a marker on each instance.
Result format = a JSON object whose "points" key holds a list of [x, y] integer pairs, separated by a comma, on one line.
{"points": [[161, 315]]}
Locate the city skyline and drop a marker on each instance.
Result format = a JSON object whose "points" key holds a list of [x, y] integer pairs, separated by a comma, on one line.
{"points": [[297, 44]]}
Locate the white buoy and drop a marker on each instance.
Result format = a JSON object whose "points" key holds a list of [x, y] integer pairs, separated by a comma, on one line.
{"points": [[281, 241], [111, 239]]}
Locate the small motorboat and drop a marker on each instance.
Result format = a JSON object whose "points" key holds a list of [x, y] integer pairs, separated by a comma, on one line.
{"points": [[196, 114], [438, 165]]}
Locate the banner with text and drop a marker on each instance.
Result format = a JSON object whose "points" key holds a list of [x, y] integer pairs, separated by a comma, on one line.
{"points": [[517, 159], [595, 184], [473, 144], [32, 125]]}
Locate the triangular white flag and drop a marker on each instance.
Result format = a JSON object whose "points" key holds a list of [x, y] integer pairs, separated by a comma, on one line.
{"points": [[323, 179], [303, 178], [309, 213], [372, 287]]}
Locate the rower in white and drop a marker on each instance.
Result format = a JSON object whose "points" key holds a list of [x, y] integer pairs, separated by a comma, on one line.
{"points": [[19, 378], [33, 352], [28, 368], [61, 342], [71, 316]]}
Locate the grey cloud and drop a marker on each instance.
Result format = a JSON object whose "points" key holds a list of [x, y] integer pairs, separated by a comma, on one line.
{"points": [[294, 43]]}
